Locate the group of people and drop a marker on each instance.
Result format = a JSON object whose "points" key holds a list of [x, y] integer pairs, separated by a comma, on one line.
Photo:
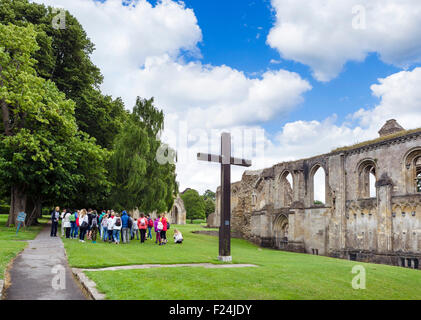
{"points": [[78, 224]]}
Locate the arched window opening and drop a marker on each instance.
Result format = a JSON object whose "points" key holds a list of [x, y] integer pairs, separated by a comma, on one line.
{"points": [[372, 182], [286, 189], [367, 179], [418, 174], [413, 171], [319, 186]]}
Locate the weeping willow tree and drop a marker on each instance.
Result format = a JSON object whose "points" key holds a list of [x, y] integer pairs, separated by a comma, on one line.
{"points": [[140, 181]]}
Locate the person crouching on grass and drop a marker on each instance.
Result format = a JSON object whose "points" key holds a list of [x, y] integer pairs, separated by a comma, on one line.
{"points": [[178, 237]]}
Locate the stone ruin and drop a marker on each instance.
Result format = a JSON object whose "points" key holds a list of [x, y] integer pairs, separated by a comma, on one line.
{"points": [[177, 215], [352, 223]]}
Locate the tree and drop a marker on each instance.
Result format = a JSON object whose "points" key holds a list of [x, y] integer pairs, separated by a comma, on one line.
{"points": [[64, 58], [209, 194], [194, 204], [140, 181], [209, 206], [40, 149]]}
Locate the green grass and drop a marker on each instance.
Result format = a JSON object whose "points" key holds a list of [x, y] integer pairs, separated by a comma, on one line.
{"points": [[280, 275], [28, 233], [9, 250], [11, 244]]}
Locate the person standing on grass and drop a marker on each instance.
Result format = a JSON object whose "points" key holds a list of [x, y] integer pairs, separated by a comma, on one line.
{"points": [[101, 216], [66, 223], [55, 215], [83, 224], [150, 226], [135, 229], [117, 228], [62, 224], [94, 226], [89, 231], [142, 223], [125, 227], [158, 228], [164, 229], [77, 215], [131, 222], [110, 226], [104, 227], [73, 228]]}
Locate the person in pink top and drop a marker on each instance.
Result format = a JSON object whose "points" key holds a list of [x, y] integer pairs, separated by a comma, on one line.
{"points": [[142, 223], [164, 229], [157, 232]]}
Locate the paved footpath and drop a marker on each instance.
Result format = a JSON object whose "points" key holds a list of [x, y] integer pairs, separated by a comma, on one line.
{"points": [[36, 272]]}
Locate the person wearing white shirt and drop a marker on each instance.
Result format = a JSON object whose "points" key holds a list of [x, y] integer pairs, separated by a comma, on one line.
{"points": [[110, 225], [62, 222], [83, 224], [66, 223], [117, 228]]}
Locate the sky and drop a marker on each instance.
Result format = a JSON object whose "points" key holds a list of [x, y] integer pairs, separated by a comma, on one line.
{"points": [[288, 78]]}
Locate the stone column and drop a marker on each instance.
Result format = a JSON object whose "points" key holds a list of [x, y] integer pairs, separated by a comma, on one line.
{"points": [[337, 223], [384, 188]]}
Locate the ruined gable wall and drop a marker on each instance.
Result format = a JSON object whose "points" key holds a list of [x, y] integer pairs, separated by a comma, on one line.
{"points": [[379, 229]]}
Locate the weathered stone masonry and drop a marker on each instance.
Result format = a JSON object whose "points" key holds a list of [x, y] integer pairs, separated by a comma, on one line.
{"points": [[271, 212]]}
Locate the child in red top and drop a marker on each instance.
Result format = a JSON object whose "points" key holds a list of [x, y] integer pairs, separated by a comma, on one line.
{"points": [[164, 229], [142, 223]]}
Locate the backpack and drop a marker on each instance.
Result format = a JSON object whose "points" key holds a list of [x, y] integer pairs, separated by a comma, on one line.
{"points": [[118, 222], [142, 222], [168, 225], [150, 223], [94, 222], [129, 223], [72, 218], [160, 226], [77, 221]]}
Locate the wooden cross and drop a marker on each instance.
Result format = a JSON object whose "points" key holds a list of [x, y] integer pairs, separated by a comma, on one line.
{"points": [[226, 161]]}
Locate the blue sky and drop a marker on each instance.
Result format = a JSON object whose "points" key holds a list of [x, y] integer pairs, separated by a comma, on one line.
{"points": [[306, 76], [235, 34]]}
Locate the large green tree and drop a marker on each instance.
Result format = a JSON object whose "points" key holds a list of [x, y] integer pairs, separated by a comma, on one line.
{"points": [[64, 58], [42, 155], [140, 180], [194, 204]]}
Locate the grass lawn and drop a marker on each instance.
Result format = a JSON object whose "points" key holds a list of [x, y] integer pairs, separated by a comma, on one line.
{"points": [[11, 244], [280, 275]]}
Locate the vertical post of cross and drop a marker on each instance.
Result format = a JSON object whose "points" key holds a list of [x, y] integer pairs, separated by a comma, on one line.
{"points": [[226, 161], [225, 226]]}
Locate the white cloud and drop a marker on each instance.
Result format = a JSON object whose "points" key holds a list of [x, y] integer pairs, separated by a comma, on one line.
{"points": [[140, 48], [125, 36], [217, 96], [322, 33]]}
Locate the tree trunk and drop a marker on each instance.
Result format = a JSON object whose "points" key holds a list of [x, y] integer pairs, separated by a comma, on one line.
{"points": [[17, 204], [33, 208]]}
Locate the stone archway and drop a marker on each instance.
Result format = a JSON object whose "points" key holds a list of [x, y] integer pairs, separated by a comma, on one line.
{"points": [[280, 231], [175, 214]]}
